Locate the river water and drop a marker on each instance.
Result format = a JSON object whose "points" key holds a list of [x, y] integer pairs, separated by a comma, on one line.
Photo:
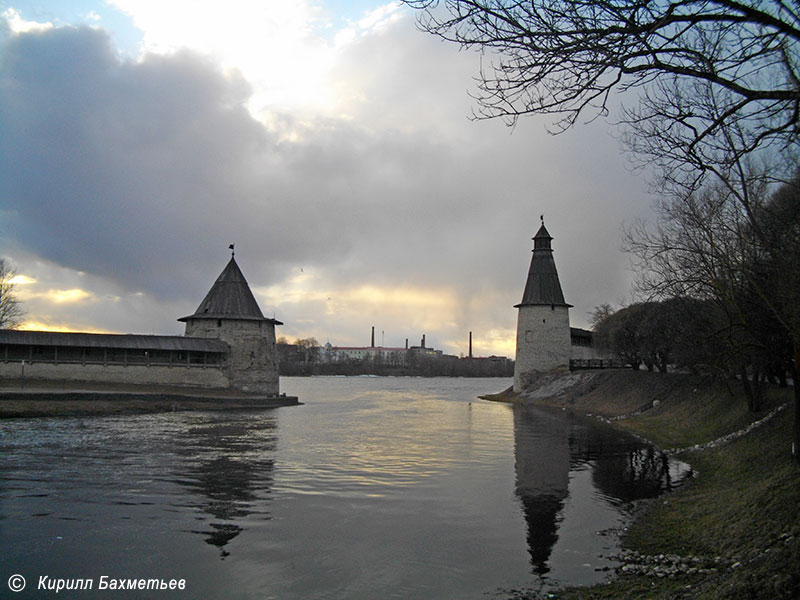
{"points": [[375, 488]]}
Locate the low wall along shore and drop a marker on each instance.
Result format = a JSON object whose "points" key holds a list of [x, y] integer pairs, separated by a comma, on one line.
{"points": [[132, 374]]}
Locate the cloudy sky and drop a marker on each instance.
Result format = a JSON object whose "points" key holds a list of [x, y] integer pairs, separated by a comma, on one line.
{"points": [[330, 140]]}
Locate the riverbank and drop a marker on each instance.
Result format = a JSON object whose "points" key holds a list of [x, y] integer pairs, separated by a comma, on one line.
{"points": [[62, 399], [733, 531]]}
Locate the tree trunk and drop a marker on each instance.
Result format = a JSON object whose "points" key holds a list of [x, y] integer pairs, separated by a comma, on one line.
{"points": [[796, 386], [751, 389]]}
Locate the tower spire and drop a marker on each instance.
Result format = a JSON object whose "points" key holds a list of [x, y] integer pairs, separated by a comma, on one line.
{"points": [[543, 286]]}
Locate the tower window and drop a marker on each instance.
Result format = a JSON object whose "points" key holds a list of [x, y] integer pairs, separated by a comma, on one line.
{"points": [[219, 322]]}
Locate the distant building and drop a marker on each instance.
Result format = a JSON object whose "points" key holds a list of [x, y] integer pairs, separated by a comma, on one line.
{"points": [[228, 344], [387, 356], [545, 340], [396, 357]]}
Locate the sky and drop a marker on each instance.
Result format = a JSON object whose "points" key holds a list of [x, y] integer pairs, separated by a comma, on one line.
{"points": [[330, 141]]}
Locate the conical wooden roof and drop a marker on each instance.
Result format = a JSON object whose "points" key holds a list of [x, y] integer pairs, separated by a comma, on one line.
{"points": [[542, 286], [230, 298]]}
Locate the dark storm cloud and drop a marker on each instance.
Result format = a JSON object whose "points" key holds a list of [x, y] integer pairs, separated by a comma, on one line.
{"points": [[122, 169]]}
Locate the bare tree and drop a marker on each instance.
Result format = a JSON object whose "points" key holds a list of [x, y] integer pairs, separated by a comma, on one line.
{"points": [[10, 309], [715, 80], [741, 256], [309, 347], [600, 314]]}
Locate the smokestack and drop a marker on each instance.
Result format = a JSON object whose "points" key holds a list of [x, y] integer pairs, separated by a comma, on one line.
{"points": [[406, 343], [372, 341], [423, 340], [470, 344]]}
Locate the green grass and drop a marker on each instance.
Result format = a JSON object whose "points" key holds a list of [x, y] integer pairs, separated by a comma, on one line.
{"points": [[700, 414], [746, 496]]}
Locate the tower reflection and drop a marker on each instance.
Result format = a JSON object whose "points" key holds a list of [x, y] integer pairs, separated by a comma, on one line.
{"points": [[231, 465], [542, 463]]}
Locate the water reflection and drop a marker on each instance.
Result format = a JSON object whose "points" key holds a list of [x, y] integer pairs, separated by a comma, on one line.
{"points": [[542, 464], [392, 488], [634, 475], [549, 446], [229, 467]]}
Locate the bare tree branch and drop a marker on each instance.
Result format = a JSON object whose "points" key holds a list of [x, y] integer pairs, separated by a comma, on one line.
{"points": [[10, 309], [696, 67]]}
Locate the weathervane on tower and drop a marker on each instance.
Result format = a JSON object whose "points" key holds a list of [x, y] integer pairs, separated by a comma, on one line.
{"points": [[232, 251]]}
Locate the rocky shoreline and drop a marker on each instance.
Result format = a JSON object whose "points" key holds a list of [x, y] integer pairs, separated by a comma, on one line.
{"points": [[673, 566]]}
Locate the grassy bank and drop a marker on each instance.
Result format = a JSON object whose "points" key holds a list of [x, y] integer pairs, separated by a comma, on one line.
{"points": [[742, 506]]}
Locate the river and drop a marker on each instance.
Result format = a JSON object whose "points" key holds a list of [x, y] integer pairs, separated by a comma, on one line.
{"points": [[375, 488]]}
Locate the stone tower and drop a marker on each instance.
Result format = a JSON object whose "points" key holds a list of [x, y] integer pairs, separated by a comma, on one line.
{"points": [[230, 312], [543, 338]]}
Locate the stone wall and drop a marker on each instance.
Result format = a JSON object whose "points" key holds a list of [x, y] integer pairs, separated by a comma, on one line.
{"points": [[584, 353], [252, 364], [141, 374], [543, 341]]}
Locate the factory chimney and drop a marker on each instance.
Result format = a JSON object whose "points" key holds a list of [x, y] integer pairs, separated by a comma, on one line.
{"points": [[470, 344], [372, 341]]}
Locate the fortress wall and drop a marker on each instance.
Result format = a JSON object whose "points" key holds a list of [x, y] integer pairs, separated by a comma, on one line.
{"points": [[585, 353], [212, 377]]}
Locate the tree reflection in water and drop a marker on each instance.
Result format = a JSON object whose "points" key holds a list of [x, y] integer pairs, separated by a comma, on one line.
{"points": [[548, 445], [231, 469], [640, 473]]}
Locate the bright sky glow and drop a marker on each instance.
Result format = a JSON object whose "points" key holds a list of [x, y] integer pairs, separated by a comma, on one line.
{"points": [[420, 309], [68, 296], [61, 328], [52, 296], [283, 49], [19, 25], [20, 279]]}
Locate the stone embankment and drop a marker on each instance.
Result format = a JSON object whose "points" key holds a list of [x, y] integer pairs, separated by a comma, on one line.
{"points": [[59, 399], [672, 566]]}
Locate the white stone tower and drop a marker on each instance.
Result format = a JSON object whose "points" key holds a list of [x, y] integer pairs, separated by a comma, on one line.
{"points": [[230, 312], [543, 338]]}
